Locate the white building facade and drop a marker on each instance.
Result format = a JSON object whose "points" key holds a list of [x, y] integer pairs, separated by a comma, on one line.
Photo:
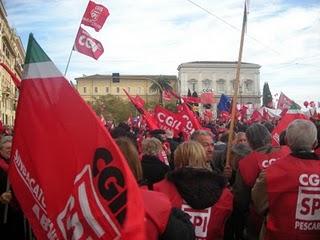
{"points": [[219, 77]]}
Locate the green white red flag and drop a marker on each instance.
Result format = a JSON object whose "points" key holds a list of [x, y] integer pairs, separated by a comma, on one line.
{"points": [[67, 173]]}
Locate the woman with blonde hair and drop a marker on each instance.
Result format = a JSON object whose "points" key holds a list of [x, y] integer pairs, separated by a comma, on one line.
{"points": [[191, 154], [198, 191], [162, 221]]}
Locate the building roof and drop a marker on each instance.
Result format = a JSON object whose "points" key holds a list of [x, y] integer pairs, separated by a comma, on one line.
{"points": [[136, 77], [208, 64]]}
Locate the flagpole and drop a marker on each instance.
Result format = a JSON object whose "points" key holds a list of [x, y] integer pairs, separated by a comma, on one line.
{"points": [[235, 95], [65, 72]]}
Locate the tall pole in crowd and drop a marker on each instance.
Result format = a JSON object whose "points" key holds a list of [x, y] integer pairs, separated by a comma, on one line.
{"points": [[236, 89]]}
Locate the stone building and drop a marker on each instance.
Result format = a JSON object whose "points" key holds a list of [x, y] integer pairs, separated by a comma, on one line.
{"points": [[12, 54], [219, 77], [97, 85]]}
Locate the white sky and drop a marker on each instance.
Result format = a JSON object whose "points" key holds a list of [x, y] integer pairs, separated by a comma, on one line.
{"points": [[155, 36]]}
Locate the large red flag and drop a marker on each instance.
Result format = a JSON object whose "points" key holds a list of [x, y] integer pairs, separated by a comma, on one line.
{"points": [[67, 173], [95, 15], [87, 45], [169, 120]]}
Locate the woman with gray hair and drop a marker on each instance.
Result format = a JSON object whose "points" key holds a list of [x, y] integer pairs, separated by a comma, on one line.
{"points": [[153, 168], [287, 193]]}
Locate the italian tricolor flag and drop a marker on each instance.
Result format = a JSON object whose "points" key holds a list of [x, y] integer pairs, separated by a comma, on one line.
{"points": [[68, 175]]}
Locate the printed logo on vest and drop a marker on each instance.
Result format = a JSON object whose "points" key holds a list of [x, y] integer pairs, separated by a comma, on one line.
{"points": [[199, 218], [308, 203]]}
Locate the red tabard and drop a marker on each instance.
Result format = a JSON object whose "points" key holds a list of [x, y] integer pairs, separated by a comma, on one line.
{"points": [[157, 212], [317, 151], [293, 187], [251, 165], [209, 222]]}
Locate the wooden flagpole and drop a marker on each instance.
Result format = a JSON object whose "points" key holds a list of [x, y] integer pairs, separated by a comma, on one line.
{"points": [[235, 95]]}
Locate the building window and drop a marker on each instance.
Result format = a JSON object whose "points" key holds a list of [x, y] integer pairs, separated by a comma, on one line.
{"points": [[107, 89], [138, 90], [248, 85], [221, 86], [6, 50], [207, 84], [84, 89], [128, 89], [118, 90], [192, 85], [96, 89]]}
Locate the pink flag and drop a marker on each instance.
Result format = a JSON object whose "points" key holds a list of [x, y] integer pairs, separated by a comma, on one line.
{"points": [[95, 16], [87, 45], [207, 98]]}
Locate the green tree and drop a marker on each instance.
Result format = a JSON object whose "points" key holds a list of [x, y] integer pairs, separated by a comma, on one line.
{"points": [[161, 83], [113, 108], [267, 96]]}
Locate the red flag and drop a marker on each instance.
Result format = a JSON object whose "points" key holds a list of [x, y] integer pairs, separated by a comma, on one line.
{"points": [[87, 45], [283, 124], [286, 103], [151, 122], [95, 16], [166, 95], [139, 101], [67, 173], [169, 120], [195, 123], [191, 99], [207, 98], [256, 116]]}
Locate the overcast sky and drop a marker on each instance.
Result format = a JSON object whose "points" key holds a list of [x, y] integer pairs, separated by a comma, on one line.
{"points": [[155, 36]]}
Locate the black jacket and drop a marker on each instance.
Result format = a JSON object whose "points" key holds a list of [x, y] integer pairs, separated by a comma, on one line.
{"points": [[153, 169], [200, 188]]}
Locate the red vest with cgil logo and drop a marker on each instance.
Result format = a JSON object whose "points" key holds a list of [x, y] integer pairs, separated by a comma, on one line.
{"points": [[157, 211], [209, 222], [293, 187], [251, 165]]}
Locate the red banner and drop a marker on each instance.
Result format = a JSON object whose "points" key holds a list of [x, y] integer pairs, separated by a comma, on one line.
{"points": [[169, 120], [95, 16], [87, 45], [67, 173]]}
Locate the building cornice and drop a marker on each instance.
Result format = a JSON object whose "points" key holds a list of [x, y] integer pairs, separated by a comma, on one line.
{"points": [[217, 64]]}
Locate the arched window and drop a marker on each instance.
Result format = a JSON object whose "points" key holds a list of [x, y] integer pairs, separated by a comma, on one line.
{"points": [[221, 83], [248, 85], [207, 84], [192, 85]]}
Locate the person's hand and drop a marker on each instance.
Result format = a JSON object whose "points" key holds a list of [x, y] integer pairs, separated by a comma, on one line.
{"points": [[227, 171], [5, 197]]}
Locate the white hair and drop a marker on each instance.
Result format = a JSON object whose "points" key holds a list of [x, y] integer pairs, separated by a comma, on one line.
{"points": [[301, 135]]}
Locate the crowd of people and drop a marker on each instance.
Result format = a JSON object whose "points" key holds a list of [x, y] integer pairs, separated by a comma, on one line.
{"points": [[248, 198], [190, 190]]}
